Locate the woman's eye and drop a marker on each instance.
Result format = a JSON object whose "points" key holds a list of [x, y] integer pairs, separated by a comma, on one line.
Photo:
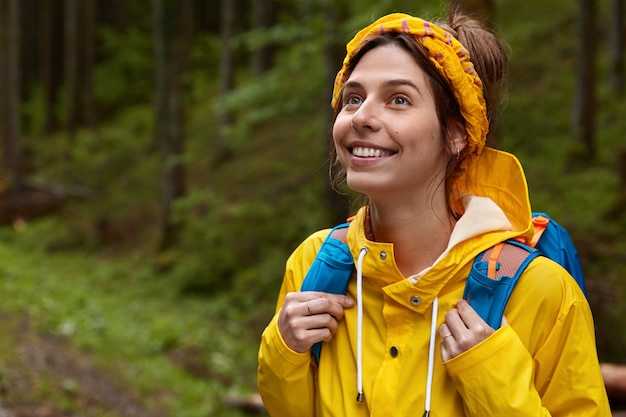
{"points": [[399, 101], [353, 100]]}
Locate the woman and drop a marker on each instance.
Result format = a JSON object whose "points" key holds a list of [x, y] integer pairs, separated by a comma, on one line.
{"points": [[413, 104]]}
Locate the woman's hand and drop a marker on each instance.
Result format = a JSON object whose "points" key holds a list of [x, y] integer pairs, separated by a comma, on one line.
{"points": [[309, 317], [463, 329]]}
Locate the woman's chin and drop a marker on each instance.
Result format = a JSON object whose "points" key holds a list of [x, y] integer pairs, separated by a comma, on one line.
{"points": [[368, 186]]}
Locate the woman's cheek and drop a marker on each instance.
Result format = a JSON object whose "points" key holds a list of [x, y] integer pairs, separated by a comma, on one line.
{"points": [[340, 129]]}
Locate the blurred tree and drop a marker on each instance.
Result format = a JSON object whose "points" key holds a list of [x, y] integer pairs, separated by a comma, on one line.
{"points": [[227, 76], [617, 46], [47, 44], [9, 42], [89, 57], [80, 42], [71, 66], [263, 17], [584, 106], [170, 49]]}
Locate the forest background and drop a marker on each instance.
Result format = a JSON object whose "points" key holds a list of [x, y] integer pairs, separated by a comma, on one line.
{"points": [[162, 158]]}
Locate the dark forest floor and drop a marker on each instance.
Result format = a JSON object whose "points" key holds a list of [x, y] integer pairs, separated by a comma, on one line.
{"points": [[72, 385]]}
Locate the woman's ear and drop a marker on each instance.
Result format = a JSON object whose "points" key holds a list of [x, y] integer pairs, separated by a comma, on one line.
{"points": [[457, 138]]}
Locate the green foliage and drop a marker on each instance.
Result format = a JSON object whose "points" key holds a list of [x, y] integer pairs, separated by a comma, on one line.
{"points": [[299, 68], [115, 311], [251, 214], [110, 178], [204, 49], [124, 75], [34, 110]]}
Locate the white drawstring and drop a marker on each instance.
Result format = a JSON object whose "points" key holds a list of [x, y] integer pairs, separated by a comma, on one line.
{"points": [[431, 357], [359, 339], [359, 330]]}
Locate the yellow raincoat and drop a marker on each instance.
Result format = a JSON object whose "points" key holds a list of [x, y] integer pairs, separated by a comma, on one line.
{"points": [[543, 363]]}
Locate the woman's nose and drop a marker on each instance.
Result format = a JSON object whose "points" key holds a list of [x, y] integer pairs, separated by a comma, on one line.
{"points": [[366, 116]]}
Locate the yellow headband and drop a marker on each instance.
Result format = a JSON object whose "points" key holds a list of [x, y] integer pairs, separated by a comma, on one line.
{"points": [[449, 57]]}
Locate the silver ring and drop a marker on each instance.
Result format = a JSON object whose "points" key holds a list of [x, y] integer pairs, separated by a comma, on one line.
{"points": [[448, 335], [308, 307]]}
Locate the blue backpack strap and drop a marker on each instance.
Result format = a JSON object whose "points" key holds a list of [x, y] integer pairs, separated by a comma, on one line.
{"points": [[330, 272], [489, 295], [556, 244]]}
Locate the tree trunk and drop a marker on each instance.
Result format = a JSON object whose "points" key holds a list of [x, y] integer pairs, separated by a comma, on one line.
{"points": [[169, 47], [51, 46], [71, 66], [11, 91], [45, 63], [617, 46], [227, 77], [29, 204], [89, 56], [263, 18], [29, 62], [584, 112]]}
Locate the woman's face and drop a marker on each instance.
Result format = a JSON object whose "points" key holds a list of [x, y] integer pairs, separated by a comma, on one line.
{"points": [[387, 134]]}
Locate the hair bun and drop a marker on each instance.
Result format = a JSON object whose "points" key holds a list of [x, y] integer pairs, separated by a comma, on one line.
{"points": [[488, 56]]}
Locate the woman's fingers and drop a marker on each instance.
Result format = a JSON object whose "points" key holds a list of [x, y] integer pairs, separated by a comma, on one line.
{"points": [[462, 330], [310, 317], [325, 303]]}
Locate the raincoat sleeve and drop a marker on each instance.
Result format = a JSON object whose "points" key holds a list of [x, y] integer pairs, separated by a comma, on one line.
{"points": [[286, 379], [544, 363]]}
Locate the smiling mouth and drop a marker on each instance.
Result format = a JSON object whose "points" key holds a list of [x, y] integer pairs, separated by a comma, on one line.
{"points": [[362, 152]]}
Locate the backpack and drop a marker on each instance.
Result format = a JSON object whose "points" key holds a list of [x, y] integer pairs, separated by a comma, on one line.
{"points": [[492, 277]]}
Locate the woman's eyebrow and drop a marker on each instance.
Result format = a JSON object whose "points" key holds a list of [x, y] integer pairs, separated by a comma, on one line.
{"points": [[387, 83], [352, 84], [402, 82], [396, 82]]}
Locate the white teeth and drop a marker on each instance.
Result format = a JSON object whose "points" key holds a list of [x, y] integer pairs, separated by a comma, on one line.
{"points": [[368, 152]]}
